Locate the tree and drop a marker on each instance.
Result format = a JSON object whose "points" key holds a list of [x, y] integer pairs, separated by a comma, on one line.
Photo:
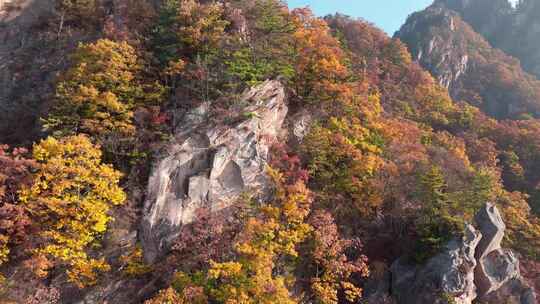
{"points": [[319, 62], [329, 267], [211, 237], [438, 221], [192, 33], [97, 94], [259, 274], [15, 173], [167, 296], [187, 29], [82, 13], [266, 49], [343, 157], [70, 199]]}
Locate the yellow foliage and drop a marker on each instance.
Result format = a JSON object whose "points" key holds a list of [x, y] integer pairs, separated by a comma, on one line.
{"points": [[267, 239], [4, 249], [200, 26], [167, 296], [97, 94], [344, 156], [321, 74], [523, 228], [71, 198], [134, 263]]}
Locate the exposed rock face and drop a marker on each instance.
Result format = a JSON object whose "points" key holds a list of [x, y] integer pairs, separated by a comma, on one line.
{"points": [[445, 59], [20, 31], [211, 165], [472, 268], [490, 223], [497, 275], [516, 31], [464, 61], [450, 273]]}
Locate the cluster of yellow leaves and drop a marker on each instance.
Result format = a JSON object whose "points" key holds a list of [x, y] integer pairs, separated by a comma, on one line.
{"points": [[134, 263], [4, 249], [167, 296], [190, 294], [71, 198], [97, 94], [344, 154], [254, 276], [200, 27]]}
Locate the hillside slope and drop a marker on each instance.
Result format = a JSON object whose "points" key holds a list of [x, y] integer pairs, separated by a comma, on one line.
{"points": [[469, 66], [516, 31], [240, 152]]}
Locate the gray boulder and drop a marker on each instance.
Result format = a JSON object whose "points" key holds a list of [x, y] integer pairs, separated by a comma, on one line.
{"points": [[491, 225], [450, 274], [474, 268], [210, 164], [497, 275]]}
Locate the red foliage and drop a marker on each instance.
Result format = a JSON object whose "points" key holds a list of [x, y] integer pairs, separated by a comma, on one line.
{"points": [[288, 164], [333, 249], [211, 237], [334, 265], [15, 173], [531, 272]]}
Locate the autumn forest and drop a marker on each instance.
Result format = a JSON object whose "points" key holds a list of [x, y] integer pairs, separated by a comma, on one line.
{"points": [[238, 152]]}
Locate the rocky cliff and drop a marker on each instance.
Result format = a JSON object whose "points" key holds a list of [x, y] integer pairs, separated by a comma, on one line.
{"points": [[474, 267], [465, 62], [515, 30], [209, 165], [23, 65]]}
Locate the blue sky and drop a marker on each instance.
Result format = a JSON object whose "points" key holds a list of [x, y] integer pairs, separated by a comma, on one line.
{"points": [[388, 15]]}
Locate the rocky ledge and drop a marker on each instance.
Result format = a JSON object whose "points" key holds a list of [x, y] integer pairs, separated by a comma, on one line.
{"points": [[209, 165]]}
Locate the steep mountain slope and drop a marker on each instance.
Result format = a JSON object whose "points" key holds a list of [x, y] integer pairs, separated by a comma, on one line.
{"points": [[485, 77], [516, 31], [240, 152], [36, 38], [465, 62]]}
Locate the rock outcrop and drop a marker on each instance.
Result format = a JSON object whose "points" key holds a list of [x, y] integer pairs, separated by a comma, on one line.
{"points": [[497, 275], [463, 61], [474, 267], [515, 29], [209, 165], [448, 274], [437, 51]]}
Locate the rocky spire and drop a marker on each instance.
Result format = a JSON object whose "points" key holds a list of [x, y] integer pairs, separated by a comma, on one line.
{"points": [[473, 267]]}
